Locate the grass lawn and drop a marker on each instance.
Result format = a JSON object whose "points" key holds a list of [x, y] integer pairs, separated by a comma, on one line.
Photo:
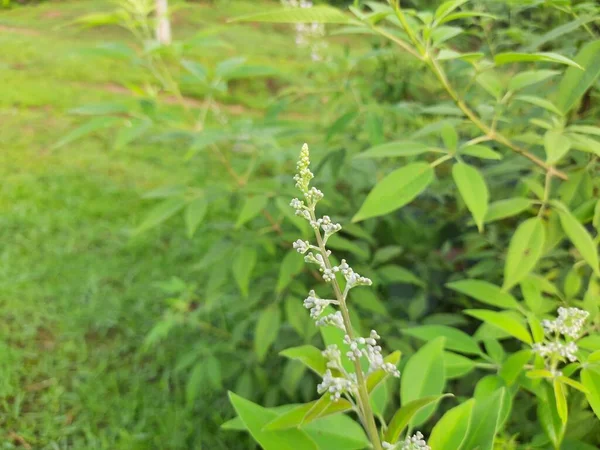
{"points": [[78, 294]]}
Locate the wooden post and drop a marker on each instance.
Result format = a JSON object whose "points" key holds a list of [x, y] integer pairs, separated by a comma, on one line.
{"points": [[163, 25]]}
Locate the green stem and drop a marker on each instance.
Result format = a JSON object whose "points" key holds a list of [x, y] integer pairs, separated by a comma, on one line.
{"points": [[547, 186], [364, 404]]}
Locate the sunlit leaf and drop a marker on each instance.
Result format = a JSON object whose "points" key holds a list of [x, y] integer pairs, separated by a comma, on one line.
{"points": [[473, 190], [503, 321], [396, 190]]}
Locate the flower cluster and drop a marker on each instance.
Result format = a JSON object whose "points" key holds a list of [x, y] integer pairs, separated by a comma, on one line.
{"points": [[558, 344], [336, 386], [368, 348], [337, 381], [569, 322], [414, 442], [316, 304]]}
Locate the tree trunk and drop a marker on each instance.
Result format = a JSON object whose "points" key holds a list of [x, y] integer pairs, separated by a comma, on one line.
{"points": [[163, 25]]}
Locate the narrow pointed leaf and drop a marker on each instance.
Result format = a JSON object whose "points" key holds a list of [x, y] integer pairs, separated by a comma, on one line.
{"points": [[452, 429], [507, 58], [255, 417], [575, 81], [525, 249], [308, 355], [473, 190], [486, 293], [423, 376], [503, 321], [405, 414], [579, 236], [396, 190]]}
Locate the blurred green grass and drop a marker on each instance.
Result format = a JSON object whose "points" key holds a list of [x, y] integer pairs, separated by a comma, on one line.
{"points": [[77, 293]]}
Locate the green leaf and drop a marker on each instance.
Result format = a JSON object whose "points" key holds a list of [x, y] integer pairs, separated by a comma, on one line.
{"points": [[253, 206], [213, 372], [449, 136], [541, 102], [308, 355], [485, 419], [480, 151], [396, 190], [338, 432], [242, 267], [452, 429], [561, 400], [255, 418], [266, 331], [408, 412], [539, 373], [513, 57], [384, 254], [316, 14], [296, 417], [161, 212], [574, 384], [457, 366], [506, 208], [424, 375], [490, 81], [473, 190], [560, 31], [367, 300], [503, 321], [576, 82], [530, 77], [396, 274], [196, 69], [194, 214], [379, 399], [291, 265], [585, 143], [485, 292], [194, 384], [591, 380], [394, 149], [524, 251], [455, 339], [443, 34], [513, 366], [130, 132], [340, 124], [95, 124], [337, 242], [464, 15], [556, 144], [447, 7], [579, 236]]}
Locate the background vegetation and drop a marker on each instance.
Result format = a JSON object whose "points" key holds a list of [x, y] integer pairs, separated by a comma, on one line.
{"points": [[146, 262]]}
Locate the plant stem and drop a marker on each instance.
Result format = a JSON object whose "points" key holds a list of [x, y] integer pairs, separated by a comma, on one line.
{"points": [[364, 404], [441, 76], [547, 186], [488, 131]]}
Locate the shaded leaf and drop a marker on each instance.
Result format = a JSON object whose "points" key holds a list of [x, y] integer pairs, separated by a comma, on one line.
{"points": [[524, 251], [266, 331]]}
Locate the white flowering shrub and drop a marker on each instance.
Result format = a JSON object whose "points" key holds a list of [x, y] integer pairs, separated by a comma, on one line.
{"points": [[470, 218], [518, 171]]}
